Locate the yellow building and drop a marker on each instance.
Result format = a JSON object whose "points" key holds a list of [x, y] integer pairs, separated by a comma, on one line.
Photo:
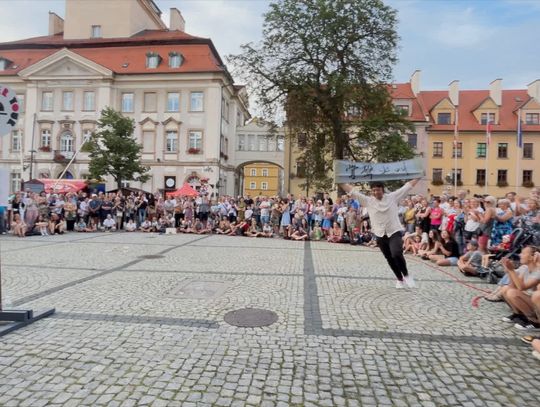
{"points": [[501, 164], [261, 179]]}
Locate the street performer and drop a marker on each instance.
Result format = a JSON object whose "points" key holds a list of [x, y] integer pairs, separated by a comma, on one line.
{"points": [[383, 214]]}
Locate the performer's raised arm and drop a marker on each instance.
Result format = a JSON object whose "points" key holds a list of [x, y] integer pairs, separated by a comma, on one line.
{"points": [[349, 189]]}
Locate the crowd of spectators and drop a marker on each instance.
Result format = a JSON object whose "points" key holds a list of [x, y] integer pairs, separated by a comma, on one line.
{"points": [[462, 231]]}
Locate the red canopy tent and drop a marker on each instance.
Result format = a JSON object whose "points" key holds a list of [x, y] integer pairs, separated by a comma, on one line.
{"points": [[185, 190], [58, 186]]}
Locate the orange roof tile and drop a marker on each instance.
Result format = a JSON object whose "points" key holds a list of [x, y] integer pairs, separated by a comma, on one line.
{"points": [[404, 91]]}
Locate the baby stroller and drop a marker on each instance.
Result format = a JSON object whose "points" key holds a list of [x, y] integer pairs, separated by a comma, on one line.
{"points": [[518, 240]]}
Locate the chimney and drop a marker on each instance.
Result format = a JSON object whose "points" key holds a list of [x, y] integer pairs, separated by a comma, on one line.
{"points": [[56, 24], [453, 92], [495, 91], [177, 22], [415, 82], [533, 89]]}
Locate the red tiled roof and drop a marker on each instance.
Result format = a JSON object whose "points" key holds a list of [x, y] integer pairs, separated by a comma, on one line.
{"points": [[199, 53], [404, 91]]}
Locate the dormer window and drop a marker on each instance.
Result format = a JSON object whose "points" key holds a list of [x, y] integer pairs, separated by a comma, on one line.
{"points": [[444, 118], [152, 60], [4, 63], [96, 31], [486, 118], [175, 60]]}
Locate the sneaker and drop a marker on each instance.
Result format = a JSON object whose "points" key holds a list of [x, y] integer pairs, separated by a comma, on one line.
{"points": [[399, 284], [409, 281], [512, 318], [526, 325]]}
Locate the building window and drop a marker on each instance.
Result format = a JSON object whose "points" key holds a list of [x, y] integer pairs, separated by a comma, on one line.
{"points": [[402, 109], [502, 176], [527, 176], [444, 118], [152, 60], [502, 150], [263, 143], [241, 142], [15, 181], [527, 150], [196, 102], [127, 102], [412, 139], [175, 60], [172, 141], [481, 177], [16, 140], [300, 169], [436, 174], [67, 101], [264, 186], [481, 150], [195, 140], [89, 101], [173, 102], [4, 63], [437, 149], [457, 151], [96, 31], [302, 140], [47, 101], [66, 142], [265, 172], [252, 185], [532, 118], [148, 138], [456, 172], [280, 143], [251, 142], [45, 138], [486, 118], [150, 102], [20, 100], [253, 172]]}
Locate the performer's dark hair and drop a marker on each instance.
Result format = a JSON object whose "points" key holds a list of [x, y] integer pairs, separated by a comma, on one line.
{"points": [[377, 184]]}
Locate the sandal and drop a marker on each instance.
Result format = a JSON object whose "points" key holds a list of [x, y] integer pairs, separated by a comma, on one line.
{"points": [[529, 338], [494, 297]]}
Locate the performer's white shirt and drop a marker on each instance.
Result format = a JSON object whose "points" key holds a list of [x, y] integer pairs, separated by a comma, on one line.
{"points": [[383, 214]]}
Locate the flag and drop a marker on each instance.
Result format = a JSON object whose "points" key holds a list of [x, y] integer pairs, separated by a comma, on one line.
{"points": [[488, 132], [519, 131]]}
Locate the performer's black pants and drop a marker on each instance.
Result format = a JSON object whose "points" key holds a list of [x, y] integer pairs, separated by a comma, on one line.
{"points": [[392, 249]]}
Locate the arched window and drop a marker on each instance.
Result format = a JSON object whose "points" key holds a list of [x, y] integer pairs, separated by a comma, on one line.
{"points": [[66, 142]]}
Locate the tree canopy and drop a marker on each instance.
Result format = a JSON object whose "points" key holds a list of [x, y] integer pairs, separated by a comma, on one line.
{"points": [[327, 64], [114, 150]]}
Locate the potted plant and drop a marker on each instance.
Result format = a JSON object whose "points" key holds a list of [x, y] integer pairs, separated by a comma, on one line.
{"points": [[481, 183], [528, 184], [502, 184], [193, 150], [45, 149], [59, 157], [437, 182]]}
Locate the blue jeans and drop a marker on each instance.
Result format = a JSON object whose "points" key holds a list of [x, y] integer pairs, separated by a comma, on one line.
{"points": [[141, 216]]}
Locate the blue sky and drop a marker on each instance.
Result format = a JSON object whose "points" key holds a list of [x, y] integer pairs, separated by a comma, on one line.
{"points": [[474, 41]]}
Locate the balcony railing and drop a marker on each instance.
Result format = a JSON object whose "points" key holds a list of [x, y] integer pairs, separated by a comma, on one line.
{"points": [[62, 156]]}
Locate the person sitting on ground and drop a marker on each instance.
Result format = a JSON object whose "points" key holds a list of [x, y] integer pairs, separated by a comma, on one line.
{"points": [[92, 225], [335, 234], [317, 232], [519, 293], [80, 226], [224, 227], [433, 244], [18, 226], [470, 262], [41, 225], [154, 225], [56, 224], [198, 227], [146, 226], [130, 226], [449, 249], [109, 223], [299, 230], [413, 246], [254, 230], [267, 230]]}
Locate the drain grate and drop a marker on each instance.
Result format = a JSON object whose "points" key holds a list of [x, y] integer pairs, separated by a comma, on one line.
{"points": [[251, 317], [151, 256]]}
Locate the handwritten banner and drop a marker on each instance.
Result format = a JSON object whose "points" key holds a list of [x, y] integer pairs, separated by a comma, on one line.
{"points": [[351, 172]]}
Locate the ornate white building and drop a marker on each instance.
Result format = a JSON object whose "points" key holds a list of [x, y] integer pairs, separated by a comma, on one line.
{"points": [[120, 54]]}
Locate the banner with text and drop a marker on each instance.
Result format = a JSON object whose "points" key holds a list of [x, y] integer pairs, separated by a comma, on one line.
{"points": [[354, 172]]}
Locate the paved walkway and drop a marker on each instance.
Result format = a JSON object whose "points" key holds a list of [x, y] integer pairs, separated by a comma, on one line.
{"points": [[139, 321]]}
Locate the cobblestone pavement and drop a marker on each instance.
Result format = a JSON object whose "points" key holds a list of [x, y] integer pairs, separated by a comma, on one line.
{"points": [[131, 330]]}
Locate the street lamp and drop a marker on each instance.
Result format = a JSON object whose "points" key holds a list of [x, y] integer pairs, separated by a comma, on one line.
{"points": [[32, 163]]}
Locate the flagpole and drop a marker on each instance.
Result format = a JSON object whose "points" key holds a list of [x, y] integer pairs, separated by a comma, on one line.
{"points": [[518, 149], [488, 136], [455, 150]]}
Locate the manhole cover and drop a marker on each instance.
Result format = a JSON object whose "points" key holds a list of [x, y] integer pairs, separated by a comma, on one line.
{"points": [[152, 256], [250, 317]]}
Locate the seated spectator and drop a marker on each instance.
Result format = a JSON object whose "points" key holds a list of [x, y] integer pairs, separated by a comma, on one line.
{"points": [[56, 225], [317, 232], [267, 230], [299, 230], [109, 223], [80, 226], [224, 227], [130, 226], [18, 227], [449, 251], [432, 248], [470, 262], [414, 246], [335, 234], [146, 226], [41, 225], [254, 230], [519, 293]]}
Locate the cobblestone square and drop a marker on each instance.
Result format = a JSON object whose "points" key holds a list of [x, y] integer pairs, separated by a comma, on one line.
{"points": [[135, 331]]}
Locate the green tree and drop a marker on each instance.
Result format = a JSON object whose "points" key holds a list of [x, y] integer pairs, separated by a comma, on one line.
{"points": [[114, 150], [327, 64]]}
